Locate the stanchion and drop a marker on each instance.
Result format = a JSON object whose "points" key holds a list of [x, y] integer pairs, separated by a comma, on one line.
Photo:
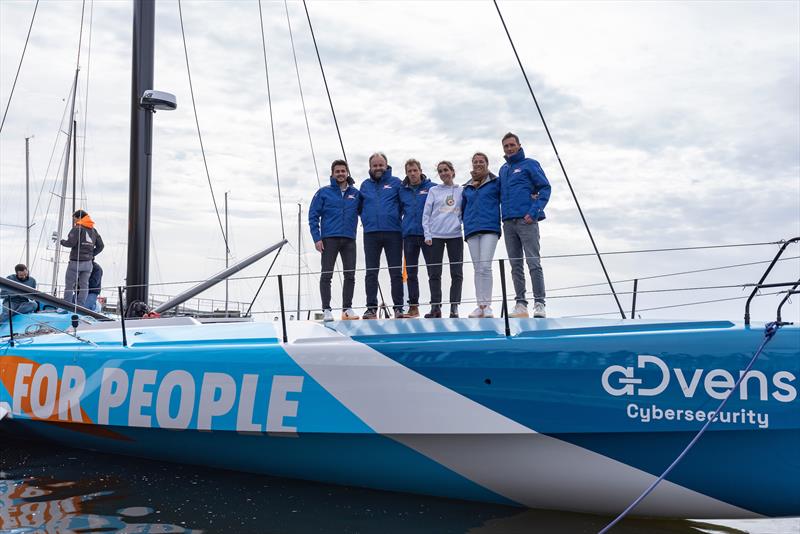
{"points": [[121, 311], [633, 304], [504, 307], [283, 310]]}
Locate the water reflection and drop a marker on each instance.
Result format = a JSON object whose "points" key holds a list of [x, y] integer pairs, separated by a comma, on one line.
{"points": [[49, 488]]}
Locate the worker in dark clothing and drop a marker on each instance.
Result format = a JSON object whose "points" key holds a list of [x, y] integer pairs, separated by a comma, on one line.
{"points": [[86, 243], [95, 285], [13, 302]]}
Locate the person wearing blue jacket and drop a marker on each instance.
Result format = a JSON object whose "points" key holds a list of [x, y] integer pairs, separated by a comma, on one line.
{"points": [[524, 192], [480, 208], [413, 195], [380, 217], [333, 219]]}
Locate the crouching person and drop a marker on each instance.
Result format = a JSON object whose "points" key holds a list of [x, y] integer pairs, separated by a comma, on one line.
{"points": [[15, 303], [333, 219]]}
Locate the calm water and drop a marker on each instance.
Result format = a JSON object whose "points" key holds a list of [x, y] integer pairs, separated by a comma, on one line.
{"points": [[47, 488]]}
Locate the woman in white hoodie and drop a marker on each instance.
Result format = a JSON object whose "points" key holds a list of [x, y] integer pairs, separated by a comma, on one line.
{"points": [[441, 223]]}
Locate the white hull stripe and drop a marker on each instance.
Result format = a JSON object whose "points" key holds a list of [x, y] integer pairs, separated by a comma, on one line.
{"points": [[526, 467]]}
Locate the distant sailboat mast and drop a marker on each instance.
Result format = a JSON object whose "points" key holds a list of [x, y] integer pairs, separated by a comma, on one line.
{"points": [[64, 179]]}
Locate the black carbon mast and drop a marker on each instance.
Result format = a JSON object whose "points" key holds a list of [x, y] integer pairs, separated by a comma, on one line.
{"points": [[140, 152]]}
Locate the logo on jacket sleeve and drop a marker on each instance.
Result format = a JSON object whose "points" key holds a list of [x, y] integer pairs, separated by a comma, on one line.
{"points": [[387, 186], [516, 171]]}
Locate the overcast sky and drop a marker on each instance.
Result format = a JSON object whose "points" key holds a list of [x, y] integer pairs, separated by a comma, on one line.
{"points": [[678, 123]]}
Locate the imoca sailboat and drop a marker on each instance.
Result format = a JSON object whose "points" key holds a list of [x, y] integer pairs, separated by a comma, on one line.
{"points": [[569, 414]]}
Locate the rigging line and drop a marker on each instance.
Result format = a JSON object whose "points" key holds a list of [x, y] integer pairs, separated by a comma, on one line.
{"points": [[693, 303], [325, 80], [561, 164], [769, 332], [263, 280], [19, 67], [197, 123], [673, 274], [271, 121], [86, 107], [300, 87]]}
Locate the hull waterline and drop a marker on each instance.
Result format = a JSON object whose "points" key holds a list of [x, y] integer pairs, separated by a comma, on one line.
{"points": [[571, 415]]}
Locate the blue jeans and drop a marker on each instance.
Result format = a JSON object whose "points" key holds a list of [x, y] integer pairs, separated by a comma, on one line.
{"points": [[392, 244], [522, 242]]}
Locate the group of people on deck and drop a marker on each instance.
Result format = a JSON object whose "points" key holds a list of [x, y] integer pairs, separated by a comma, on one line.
{"points": [[83, 277], [403, 218]]}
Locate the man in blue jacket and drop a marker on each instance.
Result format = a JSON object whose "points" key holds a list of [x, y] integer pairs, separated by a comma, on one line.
{"points": [[412, 203], [524, 192], [380, 217], [333, 219]]}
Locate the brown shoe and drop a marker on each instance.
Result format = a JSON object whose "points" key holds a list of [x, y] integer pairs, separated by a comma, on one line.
{"points": [[413, 312], [369, 314]]}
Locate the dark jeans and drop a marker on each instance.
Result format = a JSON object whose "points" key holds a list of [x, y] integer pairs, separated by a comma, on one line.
{"points": [[334, 246], [411, 248], [455, 255], [392, 244]]}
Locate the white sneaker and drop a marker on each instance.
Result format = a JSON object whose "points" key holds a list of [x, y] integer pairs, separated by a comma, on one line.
{"points": [[519, 311], [349, 315], [477, 313], [487, 312], [538, 310], [327, 316]]}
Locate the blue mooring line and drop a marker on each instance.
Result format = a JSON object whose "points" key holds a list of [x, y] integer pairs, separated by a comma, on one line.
{"points": [[769, 332]]}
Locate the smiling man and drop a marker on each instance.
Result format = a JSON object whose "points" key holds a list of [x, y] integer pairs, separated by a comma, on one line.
{"points": [[524, 192], [380, 217]]}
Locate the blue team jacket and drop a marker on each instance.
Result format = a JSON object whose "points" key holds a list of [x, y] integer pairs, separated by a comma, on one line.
{"points": [[524, 189], [335, 213], [412, 204], [380, 201], [480, 207]]}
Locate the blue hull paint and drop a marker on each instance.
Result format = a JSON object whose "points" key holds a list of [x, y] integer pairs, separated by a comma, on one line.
{"points": [[411, 405]]}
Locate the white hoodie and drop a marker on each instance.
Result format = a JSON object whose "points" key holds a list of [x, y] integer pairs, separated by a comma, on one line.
{"points": [[441, 216]]}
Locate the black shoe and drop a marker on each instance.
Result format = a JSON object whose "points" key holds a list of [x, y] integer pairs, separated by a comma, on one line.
{"points": [[435, 313], [453, 315], [369, 314]]}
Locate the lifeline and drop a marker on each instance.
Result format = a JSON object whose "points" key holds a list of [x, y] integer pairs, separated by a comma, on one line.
{"points": [[654, 413]]}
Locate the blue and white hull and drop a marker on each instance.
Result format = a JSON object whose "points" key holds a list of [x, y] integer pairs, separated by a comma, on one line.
{"points": [[563, 414]]}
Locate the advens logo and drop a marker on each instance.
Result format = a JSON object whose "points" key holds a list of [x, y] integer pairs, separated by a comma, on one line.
{"points": [[618, 380]]}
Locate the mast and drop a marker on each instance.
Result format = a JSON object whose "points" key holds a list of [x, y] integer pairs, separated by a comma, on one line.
{"points": [[227, 251], [74, 162], [140, 152], [28, 202], [64, 179]]}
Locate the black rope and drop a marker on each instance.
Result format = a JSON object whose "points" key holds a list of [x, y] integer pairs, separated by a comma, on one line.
{"points": [[325, 80], [300, 87], [19, 67], [199, 134], [563, 170], [86, 108], [247, 313], [271, 121]]}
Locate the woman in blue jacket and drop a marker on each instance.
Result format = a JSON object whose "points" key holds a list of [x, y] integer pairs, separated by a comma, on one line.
{"points": [[412, 204], [480, 207], [333, 219]]}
